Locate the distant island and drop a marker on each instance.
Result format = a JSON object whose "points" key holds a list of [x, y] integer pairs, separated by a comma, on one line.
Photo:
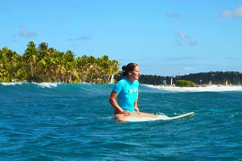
{"points": [[46, 64], [196, 79], [193, 80]]}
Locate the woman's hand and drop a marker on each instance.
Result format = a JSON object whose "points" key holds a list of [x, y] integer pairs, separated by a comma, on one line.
{"points": [[127, 113], [136, 109]]}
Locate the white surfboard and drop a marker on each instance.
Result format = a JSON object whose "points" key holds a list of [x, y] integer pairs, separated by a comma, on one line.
{"points": [[159, 117], [180, 116]]}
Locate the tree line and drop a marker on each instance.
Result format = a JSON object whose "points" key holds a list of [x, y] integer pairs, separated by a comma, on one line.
{"points": [[223, 78], [46, 64]]}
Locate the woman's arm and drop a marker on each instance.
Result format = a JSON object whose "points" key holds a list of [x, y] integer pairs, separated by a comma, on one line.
{"points": [[113, 102], [136, 105]]}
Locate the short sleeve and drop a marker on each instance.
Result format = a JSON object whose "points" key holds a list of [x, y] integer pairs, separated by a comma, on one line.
{"points": [[118, 87], [137, 83]]}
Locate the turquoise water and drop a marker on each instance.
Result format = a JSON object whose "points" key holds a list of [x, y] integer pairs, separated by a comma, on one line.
{"points": [[74, 122]]}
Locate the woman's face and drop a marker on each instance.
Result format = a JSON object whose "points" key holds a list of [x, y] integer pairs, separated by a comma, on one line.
{"points": [[135, 73]]}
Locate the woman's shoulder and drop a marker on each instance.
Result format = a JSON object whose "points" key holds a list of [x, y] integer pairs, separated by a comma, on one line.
{"points": [[122, 81], [136, 82], [125, 81]]}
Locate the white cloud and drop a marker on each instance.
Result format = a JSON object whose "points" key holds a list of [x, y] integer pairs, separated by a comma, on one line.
{"points": [[237, 13], [25, 33], [82, 38], [185, 39], [187, 68]]}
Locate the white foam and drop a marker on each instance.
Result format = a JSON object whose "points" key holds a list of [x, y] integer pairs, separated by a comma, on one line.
{"points": [[212, 88], [143, 119], [47, 84], [11, 84], [85, 83]]}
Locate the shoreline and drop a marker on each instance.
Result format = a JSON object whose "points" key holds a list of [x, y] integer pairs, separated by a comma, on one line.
{"points": [[163, 86], [211, 88]]}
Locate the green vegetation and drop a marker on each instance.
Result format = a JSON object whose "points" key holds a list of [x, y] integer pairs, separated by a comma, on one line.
{"points": [[44, 64], [185, 83], [223, 78]]}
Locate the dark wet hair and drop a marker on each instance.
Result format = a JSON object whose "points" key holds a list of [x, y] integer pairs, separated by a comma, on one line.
{"points": [[128, 68]]}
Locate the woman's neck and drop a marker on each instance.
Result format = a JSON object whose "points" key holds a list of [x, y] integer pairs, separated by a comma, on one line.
{"points": [[131, 79]]}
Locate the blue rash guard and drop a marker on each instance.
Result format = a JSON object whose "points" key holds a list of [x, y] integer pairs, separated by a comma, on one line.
{"points": [[127, 93]]}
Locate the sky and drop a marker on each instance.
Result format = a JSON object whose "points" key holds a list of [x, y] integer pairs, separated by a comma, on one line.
{"points": [[165, 37]]}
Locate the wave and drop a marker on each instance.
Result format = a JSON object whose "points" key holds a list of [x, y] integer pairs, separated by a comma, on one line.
{"points": [[11, 84], [46, 84], [96, 89], [54, 89], [42, 85], [212, 88]]}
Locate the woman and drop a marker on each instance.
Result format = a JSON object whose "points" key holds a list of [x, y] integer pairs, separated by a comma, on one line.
{"points": [[126, 93]]}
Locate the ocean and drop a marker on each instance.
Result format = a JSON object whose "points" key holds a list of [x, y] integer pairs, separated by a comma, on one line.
{"points": [[49, 121]]}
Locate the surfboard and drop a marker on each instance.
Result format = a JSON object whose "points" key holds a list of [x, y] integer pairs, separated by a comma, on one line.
{"points": [[180, 116], [159, 117]]}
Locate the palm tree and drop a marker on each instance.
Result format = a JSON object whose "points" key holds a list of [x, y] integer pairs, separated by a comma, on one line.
{"points": [[47, 64], [15, 64], [4, 63], [114, 67], [30, 57], [105, 64], [8, 64], [43, 46], [70, 65]]}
